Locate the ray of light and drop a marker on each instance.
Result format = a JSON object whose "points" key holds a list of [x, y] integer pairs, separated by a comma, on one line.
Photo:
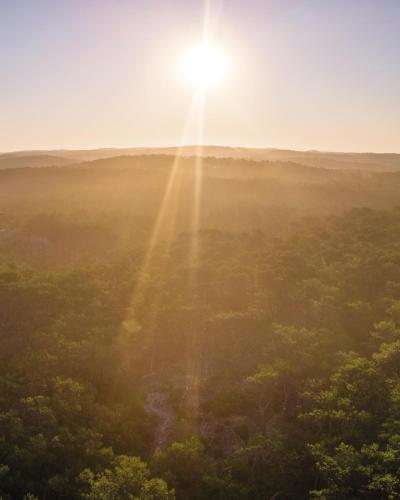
{"points": [[158, 261], [198, 177], [198, 103], [163, 228], [192, 391], [166, 214]]}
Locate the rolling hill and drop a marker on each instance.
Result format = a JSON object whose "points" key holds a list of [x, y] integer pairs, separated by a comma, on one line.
{"points": [[321, 159]]}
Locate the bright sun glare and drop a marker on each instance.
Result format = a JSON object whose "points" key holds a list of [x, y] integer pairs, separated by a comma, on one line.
{"points": [[204, 66]]}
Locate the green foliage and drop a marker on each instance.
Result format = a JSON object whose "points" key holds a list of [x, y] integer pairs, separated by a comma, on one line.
{"points": [[184, 466], [265, 367], [129, 479]]}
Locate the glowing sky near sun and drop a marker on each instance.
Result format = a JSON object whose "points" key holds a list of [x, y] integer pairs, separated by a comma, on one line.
{"points": [[303, 73]]}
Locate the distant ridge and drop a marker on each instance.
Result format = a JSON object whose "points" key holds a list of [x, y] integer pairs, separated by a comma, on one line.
{"points": [[332, 160], [32, 160]]}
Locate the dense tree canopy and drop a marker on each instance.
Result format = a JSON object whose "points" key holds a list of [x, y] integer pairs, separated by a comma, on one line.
{"points": [[263, 364]]}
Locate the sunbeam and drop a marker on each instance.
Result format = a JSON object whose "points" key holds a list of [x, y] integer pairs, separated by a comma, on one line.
{"points": [[165, 229], [191, 396]]}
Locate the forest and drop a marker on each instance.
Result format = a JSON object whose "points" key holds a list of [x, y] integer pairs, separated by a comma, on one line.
{"points": [[199, 328]]}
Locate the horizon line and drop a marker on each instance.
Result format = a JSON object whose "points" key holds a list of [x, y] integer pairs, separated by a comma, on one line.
{"points": [[248, 148]]}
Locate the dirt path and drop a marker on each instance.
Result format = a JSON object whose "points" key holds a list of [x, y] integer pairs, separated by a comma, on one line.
{"points": [[157, 404]]}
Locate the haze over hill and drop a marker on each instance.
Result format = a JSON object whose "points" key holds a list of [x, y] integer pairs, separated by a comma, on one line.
{"points": [[32, 160], [130, 192], [140, 329], [322, 159]]}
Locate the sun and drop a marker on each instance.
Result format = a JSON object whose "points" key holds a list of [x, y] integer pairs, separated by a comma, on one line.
{"points": [[204, 66]]}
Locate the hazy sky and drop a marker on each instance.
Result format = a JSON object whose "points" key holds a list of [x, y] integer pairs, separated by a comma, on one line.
{"points": [[320, 74]]}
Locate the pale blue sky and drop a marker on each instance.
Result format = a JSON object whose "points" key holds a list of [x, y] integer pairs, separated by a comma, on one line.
{"points": [[320, 74]]}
